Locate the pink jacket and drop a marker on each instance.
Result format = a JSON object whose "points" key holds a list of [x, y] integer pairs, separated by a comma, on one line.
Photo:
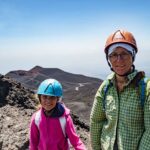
{"points": [[49, 135]]}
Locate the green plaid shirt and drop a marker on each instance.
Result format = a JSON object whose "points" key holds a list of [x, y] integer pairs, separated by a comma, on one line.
{"points": [[124, 120]]}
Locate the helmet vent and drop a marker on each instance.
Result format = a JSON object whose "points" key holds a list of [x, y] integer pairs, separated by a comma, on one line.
{"points": [[50, 84], [118, 35]]}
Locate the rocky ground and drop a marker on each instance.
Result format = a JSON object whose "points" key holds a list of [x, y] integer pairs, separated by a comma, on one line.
{"points": [[17, 104]]}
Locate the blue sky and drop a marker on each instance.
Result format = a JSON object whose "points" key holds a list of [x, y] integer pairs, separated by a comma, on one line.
{"points": [[69, 34]]}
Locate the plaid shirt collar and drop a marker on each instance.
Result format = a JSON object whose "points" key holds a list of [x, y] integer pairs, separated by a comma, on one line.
{"points": [[130, 77]]}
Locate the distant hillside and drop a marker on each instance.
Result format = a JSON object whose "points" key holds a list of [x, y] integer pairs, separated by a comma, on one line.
{"points": [[33, 77], [79, 90]]}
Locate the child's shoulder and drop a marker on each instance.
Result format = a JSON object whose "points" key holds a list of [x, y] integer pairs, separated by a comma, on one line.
{"points": [[38, 111]]}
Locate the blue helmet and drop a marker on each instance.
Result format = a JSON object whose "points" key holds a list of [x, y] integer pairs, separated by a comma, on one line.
{"points": [[50, 87]]}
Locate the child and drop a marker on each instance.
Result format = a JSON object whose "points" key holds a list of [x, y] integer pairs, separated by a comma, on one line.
{"points": [[47, 130]]}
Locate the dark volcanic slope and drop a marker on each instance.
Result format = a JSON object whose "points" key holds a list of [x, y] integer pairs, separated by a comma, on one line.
{"points": [[79, 90], [17, 104], [16, 107]]}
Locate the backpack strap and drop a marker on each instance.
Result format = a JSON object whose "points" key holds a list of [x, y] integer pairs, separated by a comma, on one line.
{"points": [[62, 121], [139, 82], [105, 89], [38, 118], [142, 84]]}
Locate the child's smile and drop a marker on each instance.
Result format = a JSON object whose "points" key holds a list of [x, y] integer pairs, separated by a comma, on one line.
{"points": [[48, 102]]}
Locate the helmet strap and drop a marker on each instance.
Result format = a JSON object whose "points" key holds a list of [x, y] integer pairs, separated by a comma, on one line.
{"points": [[109, 63]]}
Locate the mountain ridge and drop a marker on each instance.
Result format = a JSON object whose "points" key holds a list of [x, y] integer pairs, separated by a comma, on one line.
{"points": [[79, 90], [41, 73]]}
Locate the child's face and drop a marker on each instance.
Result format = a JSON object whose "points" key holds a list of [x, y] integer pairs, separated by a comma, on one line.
{"points": [[48, 102]]}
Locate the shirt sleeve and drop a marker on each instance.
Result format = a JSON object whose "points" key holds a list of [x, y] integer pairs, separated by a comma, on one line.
{"points": [[72, 135], [97, 119], [34, 135], [145, 140]]}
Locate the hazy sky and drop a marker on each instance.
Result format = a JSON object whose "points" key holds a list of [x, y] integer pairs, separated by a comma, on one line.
{"points": [[69, 34]]}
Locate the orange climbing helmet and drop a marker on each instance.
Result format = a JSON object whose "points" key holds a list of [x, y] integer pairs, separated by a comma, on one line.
{"points": [[120, 36]]}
